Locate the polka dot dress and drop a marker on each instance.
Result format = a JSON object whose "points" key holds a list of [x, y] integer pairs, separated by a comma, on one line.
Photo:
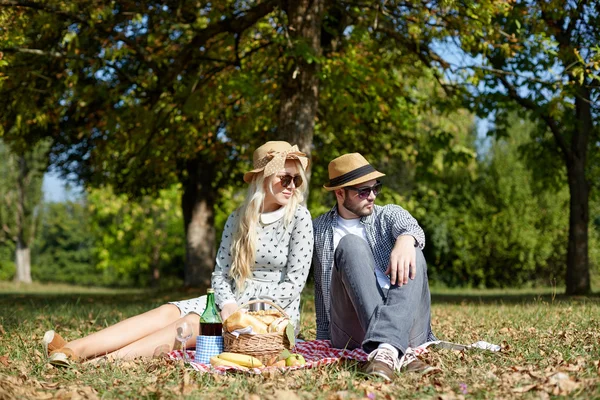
{"points": [[283, 258]]}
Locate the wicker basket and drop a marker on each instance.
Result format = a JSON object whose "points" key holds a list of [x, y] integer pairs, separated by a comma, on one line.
{"points": [[262, 346]]}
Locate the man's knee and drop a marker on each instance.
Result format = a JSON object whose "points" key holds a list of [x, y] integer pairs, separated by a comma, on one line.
{"points": [[351, 246]]}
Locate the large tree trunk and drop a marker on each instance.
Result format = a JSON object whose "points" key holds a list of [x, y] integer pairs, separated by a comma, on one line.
{"points": [[300, 84], [578, 273], [198, 202]]}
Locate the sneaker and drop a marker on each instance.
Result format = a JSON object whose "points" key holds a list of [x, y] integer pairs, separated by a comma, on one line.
{"points": [[52, 341], [421, 367], [382, 363], [63, 357]]}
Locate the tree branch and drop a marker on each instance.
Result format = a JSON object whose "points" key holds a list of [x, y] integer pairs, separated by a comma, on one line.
{"points": [[37, 52], [236, 25], [41, 7], [533, 107]]}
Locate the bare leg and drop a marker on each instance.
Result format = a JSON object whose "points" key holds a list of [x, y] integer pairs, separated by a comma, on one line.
{"points": [[163, 338], [125, 332]]}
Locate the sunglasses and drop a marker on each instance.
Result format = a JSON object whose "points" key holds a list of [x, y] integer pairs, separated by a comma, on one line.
{"points": [[287, 179], [365, 192]]}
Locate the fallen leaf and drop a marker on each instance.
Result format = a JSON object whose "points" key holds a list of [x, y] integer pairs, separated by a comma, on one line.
{"points": [[4, 361], [524, 389], [285, 395]]}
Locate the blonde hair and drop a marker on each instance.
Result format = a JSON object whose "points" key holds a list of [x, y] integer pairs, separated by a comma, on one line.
{"points": [[243, 245]]}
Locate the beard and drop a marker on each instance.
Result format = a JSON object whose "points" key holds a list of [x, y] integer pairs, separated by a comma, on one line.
{"points": [[356, 209]]}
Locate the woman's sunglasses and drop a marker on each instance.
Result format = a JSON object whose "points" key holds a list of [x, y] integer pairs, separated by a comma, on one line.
{"points": [[364, 192], [287, 179]]}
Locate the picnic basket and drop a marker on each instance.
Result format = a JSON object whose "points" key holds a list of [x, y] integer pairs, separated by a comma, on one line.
{"points": [[262, 346]]}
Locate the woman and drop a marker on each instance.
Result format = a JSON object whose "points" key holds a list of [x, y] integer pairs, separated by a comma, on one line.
{"points": [[265, 252]]}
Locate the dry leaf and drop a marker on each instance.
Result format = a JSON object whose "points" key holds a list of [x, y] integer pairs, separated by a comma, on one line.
{"points": [[523, 389], [285, 395]]}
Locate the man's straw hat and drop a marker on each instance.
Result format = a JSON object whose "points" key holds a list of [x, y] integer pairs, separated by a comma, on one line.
{"points": [[271, 156], [348, 170]]}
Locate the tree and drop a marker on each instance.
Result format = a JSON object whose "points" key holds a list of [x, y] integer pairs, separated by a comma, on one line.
{"points": [[542, 57], [19, 200], [142, 90], [152, 93]]}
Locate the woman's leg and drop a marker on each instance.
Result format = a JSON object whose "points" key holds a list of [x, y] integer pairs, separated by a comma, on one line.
{"points": [[163, 338], [125, 332]]}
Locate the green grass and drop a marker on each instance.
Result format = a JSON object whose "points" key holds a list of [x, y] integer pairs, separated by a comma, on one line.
{"points": [[550, 349]]}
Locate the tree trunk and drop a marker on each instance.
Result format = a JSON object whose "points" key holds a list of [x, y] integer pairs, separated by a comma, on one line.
{"points": [[22, 252], [22, 263], [197, 203], [578, 273], [300, 85]]}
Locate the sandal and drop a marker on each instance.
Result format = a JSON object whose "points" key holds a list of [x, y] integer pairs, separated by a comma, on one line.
{"points": [[52, 341], [63, 357]]}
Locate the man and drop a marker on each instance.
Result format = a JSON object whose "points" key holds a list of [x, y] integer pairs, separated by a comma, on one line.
{"points": [[371, 287]]}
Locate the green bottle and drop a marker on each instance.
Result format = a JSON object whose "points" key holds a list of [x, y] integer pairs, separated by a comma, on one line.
{"points": [[210, 320]]}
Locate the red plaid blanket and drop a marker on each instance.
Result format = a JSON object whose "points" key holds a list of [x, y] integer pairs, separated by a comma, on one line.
{"points": [[316, 353]]}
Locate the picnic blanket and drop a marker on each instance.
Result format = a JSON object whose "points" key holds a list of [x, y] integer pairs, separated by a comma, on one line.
{"points": [[318, 353]]}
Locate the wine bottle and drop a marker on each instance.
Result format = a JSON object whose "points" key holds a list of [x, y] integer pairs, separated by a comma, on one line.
{"points": [[210, 320]]}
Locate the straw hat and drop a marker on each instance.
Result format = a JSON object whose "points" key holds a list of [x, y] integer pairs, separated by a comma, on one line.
{"points": [[271, 156], [348, 170]]}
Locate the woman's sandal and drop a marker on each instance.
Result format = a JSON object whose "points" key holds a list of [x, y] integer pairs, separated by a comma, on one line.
{"points": [[52, 341], [63, 357]]}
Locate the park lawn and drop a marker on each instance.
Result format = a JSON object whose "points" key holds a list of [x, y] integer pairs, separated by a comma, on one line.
{"points": [[550, 347]]}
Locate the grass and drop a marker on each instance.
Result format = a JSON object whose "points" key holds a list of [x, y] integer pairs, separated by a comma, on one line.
{"points": [[549, 349]]}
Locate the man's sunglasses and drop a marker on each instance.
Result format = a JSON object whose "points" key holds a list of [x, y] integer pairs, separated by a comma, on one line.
{"points": [[364, 192], [287, 179]]}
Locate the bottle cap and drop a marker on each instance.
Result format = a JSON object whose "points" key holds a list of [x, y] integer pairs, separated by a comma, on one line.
{"points": [[210, 290]]}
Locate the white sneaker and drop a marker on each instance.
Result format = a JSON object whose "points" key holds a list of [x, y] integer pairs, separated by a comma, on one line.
{"points": [[383, 363]]}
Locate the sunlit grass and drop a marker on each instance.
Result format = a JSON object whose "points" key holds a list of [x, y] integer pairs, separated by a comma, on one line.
{"points": [[550, 347]]}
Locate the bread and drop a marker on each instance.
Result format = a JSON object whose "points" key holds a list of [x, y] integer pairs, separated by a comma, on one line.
{"points": [[278, 325], [241, 320], [267, 319]]}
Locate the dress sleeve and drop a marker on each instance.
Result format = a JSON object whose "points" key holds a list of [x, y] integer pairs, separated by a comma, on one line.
{"points": [[299, 258], [405, 224], [221, 281]]}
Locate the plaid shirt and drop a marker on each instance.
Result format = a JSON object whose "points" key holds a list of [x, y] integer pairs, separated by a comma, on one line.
{"points": [[382, 227]]}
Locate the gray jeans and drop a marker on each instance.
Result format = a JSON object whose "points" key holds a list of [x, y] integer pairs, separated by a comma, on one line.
{"points": [[364, 314]]}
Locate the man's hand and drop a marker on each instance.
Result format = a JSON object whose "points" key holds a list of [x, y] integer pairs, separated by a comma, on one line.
{"points": [[227, 310], [403, 261]]}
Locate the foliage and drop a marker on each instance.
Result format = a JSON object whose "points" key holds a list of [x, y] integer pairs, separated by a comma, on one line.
{"points": [[542, 355], [7, 265], [137, 242], [495, 224], [63, 249]]}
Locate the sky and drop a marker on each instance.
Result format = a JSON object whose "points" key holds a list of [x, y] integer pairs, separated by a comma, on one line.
{"points": [[55, 190]]}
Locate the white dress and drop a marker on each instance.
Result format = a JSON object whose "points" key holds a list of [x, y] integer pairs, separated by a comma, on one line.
{"points": [[283, 258]]}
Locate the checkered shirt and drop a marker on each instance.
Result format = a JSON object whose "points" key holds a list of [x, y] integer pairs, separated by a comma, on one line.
{"points": [[382, 227]]}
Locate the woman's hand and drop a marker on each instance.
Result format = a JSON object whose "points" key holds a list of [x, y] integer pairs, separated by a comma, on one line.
{"points": [[227, 310]]}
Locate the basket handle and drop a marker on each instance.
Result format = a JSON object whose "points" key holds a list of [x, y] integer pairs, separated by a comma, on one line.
{"points": [[269, 302]]}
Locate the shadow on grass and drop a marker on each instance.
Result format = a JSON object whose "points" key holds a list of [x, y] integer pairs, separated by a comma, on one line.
{"points": [[101, 298], [39, 300]]}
